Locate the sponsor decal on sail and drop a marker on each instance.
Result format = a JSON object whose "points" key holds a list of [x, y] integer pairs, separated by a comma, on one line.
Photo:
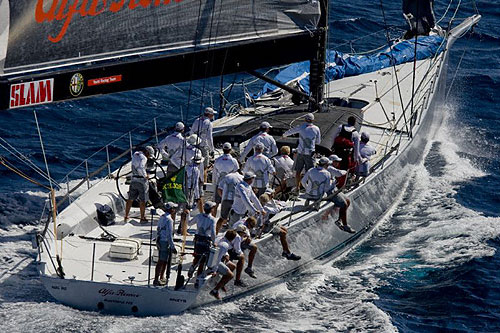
{"points": [[31, 93], [104, 80], [59, 10], [76, 84]]}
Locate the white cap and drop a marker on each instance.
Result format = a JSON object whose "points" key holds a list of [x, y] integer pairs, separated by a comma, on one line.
{"points": [[265, 125], [209, 205], [170, 205], [150, 150], [249, 175], [226, 146], [193, 139], [309, 117], [334, 158], [241, 228], [365, 136], [179, 126], [210, 110], [259, 146], [324, 161]]}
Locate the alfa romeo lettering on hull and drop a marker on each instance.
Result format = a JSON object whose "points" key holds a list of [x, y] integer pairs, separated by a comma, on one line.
{"points": [[76, 84], [31, 93]]}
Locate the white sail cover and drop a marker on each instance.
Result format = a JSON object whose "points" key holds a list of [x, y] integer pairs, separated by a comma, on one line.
{"points": [[46, 33]]}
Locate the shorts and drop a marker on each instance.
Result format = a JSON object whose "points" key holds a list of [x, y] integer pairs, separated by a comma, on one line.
{"points": [[217, 197], [138, 190], [222, 269], [233, 255], [163, 250], [274, 229], [247, 245], [201, 245], [233, 217], [303, 161], [226, 208], [340, 200]]}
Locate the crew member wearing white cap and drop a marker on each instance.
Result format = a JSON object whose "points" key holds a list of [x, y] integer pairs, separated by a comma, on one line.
{"points": [[223, 266], [309, 137], [223, 166], [204, 237], [270, 148], [284, 170], [172, 147], [262, 167], [164, 243], [245, 200], [193, 142], [366, 152], [192, 190], [226, 190], [139, 186], [317, 181], [340, 200], [202, 126], [241, 243]]}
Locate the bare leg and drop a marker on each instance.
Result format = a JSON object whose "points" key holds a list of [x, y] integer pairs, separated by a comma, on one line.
{"points": [[160, 266], [284, 242], [214, 213], [128, 205], [225, 279], [142, 208], [219, 225], [200, 205], [239, 266], [297, 179], [343, 212], [201, 266], [251, 255]]}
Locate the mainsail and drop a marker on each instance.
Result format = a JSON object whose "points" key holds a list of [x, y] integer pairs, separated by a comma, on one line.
{"points": [[45, 36]]}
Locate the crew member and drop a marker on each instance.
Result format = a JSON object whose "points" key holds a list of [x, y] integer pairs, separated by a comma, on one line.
{"points": [[172, 148], [245, 200], [223, 166], [366, 152], [223, 266], [202, 126], [164, 243], [270, 148], [226, 190], [339, 200], [262, 167], [192, 190], [244, 242], [309, 137], [204, 237], [284, 170], [139, 186], [346, 143], [317, 181]]}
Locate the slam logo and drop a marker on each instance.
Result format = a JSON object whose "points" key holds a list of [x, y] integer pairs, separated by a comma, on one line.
{"points": [[31, 93], [76, 84]]}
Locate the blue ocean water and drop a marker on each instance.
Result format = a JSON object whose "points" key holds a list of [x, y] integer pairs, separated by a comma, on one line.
{"points": [[430, 266]]}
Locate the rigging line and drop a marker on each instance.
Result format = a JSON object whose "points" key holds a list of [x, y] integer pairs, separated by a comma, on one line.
{"points": [[455, 75], [393, 63], [445, 12], [453, 17], [5, 163], [25, 160], [414, 70]]}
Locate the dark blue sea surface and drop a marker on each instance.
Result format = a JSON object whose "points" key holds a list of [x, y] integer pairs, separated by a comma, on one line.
{"points": [[431, 265]]}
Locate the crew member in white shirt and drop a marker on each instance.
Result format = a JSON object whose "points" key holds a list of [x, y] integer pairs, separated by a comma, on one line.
{"points": [[270, 148], [309, 137], [245, 200], [317, 181], [284, 170], [223, 266], [262, 167], [340, 200], [164, 243], [192, 189], [241, 243], [223, 166], [139, 185], [172, 148], [204, 237], [366, 152], [226, 190], [202, 126]]}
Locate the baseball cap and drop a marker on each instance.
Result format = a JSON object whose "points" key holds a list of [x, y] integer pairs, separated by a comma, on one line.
{"points": [[226, 146], [259, 146], [210, 110], [193, 139], [265, 125], [179, 126], [150, 150], [323, 161], [334, 158], [170, 205], [309, 117], [248, 175], [241, 228], [208, 205]]}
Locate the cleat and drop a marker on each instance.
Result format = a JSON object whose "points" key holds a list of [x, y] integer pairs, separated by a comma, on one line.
{"points": [[250, 272]]}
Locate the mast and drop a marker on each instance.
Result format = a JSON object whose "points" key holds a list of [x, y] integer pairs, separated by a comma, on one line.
{"points": [[317, 69]]}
